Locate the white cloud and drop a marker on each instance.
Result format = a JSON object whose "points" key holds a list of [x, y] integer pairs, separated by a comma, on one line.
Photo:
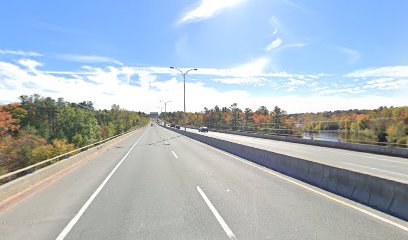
{"points": [[105, 87], [27, 75], [274, 44], [87, 58], [21, 53], [386, 84], [208, 9], [316, 88], [352, 54], [30, 64], [381, 72], [293, 45], [250, 73], [254, 68], [349, 90], [291, 89], [296, 82], [138, 88], [242, 81]]}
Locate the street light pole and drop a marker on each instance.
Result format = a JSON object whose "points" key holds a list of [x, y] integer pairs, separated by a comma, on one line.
{"points": [[184, 85], [165, 110]]}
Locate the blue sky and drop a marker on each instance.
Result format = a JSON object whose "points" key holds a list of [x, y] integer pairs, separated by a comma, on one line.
{"points": [[309, 55]]}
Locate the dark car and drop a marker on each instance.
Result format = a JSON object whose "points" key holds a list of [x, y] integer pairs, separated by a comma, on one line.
{"points": [[203, 129], [172, 125], [177, 126]]}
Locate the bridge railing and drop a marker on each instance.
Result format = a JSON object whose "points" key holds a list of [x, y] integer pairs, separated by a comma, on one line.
{"points": [[32, 168]]}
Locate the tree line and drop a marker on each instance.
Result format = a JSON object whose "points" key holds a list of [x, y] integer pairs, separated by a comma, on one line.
{"points": [[385, 124], [234, 118], [40, 128]]}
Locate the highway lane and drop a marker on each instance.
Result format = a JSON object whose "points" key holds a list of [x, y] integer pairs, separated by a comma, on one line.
{"points": [[394, 168], [44, 214], [172, 187]]}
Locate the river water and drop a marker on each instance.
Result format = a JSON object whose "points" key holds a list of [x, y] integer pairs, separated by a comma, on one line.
{"points": [[343, 136], [331, 136]]}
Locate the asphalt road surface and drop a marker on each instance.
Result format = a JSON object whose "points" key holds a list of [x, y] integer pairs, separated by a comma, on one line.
{"points": [[394, 168], [160, 185]]}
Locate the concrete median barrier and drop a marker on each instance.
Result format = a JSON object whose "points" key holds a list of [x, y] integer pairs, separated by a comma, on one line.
{"points": [[388, 196]]}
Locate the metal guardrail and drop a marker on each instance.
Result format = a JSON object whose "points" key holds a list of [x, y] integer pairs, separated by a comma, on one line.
{"points": [[352, 141], [21, 170]]}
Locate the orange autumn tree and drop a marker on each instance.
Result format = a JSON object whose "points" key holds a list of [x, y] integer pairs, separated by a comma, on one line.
{"points": [[290, 123], [8, 123], [361, 123], [260, 120]]}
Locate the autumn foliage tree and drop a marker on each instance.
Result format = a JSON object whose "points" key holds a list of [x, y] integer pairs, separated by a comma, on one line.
{"points": [[39, 128], [379, 125], [10, 118]]}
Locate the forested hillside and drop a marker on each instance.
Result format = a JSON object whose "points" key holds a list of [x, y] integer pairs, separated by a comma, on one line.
{"points": [[39, 128], [378, 125]]}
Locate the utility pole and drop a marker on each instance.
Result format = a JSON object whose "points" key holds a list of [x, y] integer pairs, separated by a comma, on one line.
{"points": [[184, 84], [165, 110]]}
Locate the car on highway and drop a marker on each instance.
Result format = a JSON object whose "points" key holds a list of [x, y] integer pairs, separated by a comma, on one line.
{"points": [[172, 125], [177, 126], [203, 129]]}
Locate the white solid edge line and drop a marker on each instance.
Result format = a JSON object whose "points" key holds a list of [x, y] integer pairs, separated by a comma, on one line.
{"points": [[395, 224], [174, 154], [73, 221], [221, 221]]}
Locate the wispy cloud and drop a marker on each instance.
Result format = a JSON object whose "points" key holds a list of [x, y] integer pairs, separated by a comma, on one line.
{"points": [[277, 44], [254, 68], [59, 28], [276, 25], [30, 64], [349, 90], [380, 72], [208, 9], [293, 45], [252, 73], [352, 54], [386, 84], [88, 58], [254, 81], [50, 26], [274, 44], [21, 53], [273, 20], [296, 82]]}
